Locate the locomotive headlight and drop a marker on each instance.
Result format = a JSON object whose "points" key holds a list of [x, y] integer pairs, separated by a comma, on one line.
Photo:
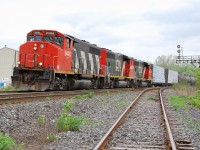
{"points": [[41, 45], [35, 44], [35, 48], [40, 63], [18, 62]]}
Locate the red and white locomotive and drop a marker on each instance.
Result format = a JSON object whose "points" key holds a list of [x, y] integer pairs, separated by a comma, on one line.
{"points": [[50, 60]]}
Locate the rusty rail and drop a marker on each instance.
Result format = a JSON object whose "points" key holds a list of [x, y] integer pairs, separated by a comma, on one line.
{"points": [[102, 144], [172, 144]]}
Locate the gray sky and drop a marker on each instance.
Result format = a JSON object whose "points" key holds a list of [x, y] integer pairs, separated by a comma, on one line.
{"points": [[143, 29]]}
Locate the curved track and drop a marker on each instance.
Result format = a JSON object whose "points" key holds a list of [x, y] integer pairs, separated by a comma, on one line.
{"points": [[144, 127]]}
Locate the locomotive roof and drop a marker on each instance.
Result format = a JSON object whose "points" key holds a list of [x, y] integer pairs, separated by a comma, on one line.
{"points": [[81, 41]]}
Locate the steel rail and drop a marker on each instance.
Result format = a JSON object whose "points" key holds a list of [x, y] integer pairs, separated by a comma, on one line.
{"points": [[172, 144], [12, 98], [102, 144]]}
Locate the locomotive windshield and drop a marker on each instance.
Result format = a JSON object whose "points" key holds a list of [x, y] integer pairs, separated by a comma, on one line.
{"points": [[38, 38], [30, 38], [48, 38], [58, 40]]}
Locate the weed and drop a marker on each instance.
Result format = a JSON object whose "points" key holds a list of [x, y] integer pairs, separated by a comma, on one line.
{"points": [[51, 137], [41, 120], [67, 106], [78, 97], [85, 96], [195, 100], [6, 142], [177, 102], [90, 95], [102, 103], [70, 122], [122, 104], [151, 98], [48, 98], [193, 124]]}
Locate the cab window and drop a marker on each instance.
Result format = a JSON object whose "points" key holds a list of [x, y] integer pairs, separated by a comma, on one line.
{"points": [[58, 40], [30, 38], [48, 38], [38, 38]]}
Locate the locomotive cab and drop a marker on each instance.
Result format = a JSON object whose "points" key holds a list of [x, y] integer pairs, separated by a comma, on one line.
{"points": [[45, 53]]}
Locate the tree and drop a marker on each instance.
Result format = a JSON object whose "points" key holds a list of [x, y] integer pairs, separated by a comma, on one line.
{"points": [[170, 63]]}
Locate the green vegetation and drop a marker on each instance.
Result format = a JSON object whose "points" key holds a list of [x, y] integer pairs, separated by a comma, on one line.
{"points": [[195, 100], [69, 122], [51, 137], [48, 98], [102, 103], [177, 102], [41, 120], [192, 123], [151, 98], [67, 106], [170, 63], [198, 79], [7, 143], [9, 88], [122, 104], [85, 96]]}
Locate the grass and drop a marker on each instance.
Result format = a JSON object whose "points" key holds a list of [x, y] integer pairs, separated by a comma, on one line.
{"points": [[193, 124], [7, 143], [41, 120], [85, 96], [195, 100], [102, 103], [67, 106], [51, 137], [151, 98], [48, 98], [177, 102], [122, 104], [10, 88], [184, 89]]}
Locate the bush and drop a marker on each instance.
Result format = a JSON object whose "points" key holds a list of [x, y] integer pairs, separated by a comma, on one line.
{"points": [[6, 142], [70, 122]]}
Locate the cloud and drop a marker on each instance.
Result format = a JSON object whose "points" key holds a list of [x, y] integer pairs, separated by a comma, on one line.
{"points": [[142, 29]]}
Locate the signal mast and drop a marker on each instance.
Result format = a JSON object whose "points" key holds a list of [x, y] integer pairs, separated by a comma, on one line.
{"points": [[194, 60]]}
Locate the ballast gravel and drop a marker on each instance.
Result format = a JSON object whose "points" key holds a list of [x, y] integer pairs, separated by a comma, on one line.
{"points": [[21, 121]]}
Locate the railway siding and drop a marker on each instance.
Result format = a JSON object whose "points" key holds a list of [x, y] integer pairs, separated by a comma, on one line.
{"points": [[185, 123], [143, 128]]}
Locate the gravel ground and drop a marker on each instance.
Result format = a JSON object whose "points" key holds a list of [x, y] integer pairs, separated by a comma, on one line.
{"points": [[144, 127], [188, 120], [21, 121]]}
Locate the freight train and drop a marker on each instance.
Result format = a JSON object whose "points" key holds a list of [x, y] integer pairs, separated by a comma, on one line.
{"points": [[50, 60]]}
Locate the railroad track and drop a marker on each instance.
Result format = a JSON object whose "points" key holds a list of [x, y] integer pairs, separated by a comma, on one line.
{"points": [[22, 97], [145, 126]]}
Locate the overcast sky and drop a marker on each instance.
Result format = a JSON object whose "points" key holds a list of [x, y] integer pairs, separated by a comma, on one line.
{"points": [[143, 29]]}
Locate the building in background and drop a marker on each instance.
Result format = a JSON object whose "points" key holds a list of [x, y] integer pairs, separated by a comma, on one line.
{"points": [[7, 63]]}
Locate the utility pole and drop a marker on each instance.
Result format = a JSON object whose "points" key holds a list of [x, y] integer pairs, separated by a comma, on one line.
{"points": [[194, 60]]}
